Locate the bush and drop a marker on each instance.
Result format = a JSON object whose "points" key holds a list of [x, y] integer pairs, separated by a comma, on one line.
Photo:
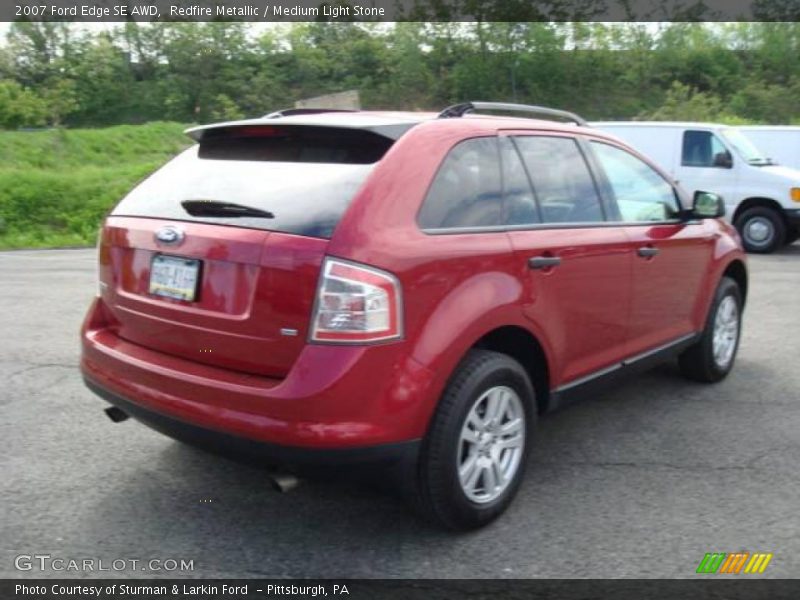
{"points": [[776, 104], [684, 103], [20, 107]]}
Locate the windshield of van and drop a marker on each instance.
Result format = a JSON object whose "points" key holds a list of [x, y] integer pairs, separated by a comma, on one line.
{"points": [[745, 148], [301, 182]]}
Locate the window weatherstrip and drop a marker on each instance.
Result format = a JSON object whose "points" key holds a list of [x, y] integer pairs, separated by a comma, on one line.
{"points": [[546, 226]]}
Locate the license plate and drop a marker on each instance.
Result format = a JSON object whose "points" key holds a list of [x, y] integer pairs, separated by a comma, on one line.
{"points": [[174, 277]]}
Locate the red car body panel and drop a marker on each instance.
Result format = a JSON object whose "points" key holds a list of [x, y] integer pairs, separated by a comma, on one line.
{"points": [[223, 363], [240, 308], [684, 257], [592, 286]]}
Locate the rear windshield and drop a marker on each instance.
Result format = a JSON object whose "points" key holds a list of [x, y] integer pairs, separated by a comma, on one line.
{"points": [[304, 176]]}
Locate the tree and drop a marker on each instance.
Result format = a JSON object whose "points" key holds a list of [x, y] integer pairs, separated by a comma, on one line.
{"points": [[188, 72], [20, 107], [225, 109], [683, 103], [60, 99], [767, 103]]}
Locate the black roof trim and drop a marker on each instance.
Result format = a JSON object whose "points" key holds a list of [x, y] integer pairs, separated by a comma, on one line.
{"points": [[464, 108]]}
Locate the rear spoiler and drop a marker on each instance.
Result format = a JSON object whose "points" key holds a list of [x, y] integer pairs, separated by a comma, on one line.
{"points": [[391, 131]]}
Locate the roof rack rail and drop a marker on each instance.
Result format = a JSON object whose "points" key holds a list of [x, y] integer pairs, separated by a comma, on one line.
{"points": [[459, 110], [288, 112]]}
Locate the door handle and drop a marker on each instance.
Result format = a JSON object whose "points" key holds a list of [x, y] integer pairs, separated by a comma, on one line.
{"points": [[543, 262], [647, 251]]}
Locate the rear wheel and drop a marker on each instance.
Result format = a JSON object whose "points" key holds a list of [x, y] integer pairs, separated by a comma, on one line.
{"points": [[474, 455], [762, 229], [712, 357]]}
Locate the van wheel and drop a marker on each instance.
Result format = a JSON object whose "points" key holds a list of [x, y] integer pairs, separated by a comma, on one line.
{"points": [[711, 358], [473, 459], [762, 230]]}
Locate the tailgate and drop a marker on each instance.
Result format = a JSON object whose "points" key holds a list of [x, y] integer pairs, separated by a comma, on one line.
{"points": [[253, 295]]}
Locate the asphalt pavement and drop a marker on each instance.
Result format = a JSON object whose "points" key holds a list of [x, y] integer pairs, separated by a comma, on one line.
{"points": [[640, 481]]}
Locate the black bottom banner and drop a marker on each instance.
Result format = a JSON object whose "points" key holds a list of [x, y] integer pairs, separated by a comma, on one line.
{"points": [[400, 589]]}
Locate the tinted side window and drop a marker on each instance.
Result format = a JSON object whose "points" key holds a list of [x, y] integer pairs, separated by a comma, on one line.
{"points": [[641, 193], [701, 148], [519, 203], [466, 191], [561, 179]]}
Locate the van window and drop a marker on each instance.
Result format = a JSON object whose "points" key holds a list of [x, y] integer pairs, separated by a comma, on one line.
{"points": [[746, 149], [306, 177], [562, 182], [466, 191], [702, 149], [641, 193]]}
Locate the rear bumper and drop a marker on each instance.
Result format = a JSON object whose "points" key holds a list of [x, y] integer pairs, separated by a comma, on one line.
{"points": [[335, 398], [238, 447]]}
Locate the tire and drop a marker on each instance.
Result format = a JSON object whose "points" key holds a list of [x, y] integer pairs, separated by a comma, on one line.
{"points": [[481, 381], [762, 230], [700, 362]]}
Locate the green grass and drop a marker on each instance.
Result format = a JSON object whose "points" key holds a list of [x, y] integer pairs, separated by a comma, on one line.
{"points": [[56, 185]]}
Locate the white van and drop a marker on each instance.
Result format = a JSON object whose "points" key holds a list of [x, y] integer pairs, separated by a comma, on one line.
{"points": [[762, 199], [780, 143]]}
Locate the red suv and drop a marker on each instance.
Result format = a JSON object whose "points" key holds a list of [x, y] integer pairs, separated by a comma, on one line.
{"points": [[331, 286]]}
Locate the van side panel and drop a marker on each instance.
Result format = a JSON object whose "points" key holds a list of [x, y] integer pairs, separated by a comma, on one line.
{"points": [[659, 144]]}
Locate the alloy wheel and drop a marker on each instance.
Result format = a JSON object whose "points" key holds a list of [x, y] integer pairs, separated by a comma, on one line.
{"points": [[491, 444]]}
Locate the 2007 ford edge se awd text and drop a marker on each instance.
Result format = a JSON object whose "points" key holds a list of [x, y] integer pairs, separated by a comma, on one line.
{"points": [[403, 288]]}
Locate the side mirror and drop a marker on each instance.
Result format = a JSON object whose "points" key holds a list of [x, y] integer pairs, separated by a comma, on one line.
{"points": [[707, 205], [723, 160]]}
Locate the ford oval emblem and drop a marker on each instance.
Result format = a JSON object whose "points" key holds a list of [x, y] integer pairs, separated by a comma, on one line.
{"points": [[169, 235]]}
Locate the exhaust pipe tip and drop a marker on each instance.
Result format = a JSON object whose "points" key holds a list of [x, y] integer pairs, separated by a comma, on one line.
{"points": [[116, 414], [283, 482]]}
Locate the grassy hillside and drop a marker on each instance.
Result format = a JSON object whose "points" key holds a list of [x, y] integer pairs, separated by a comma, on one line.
{"points": [[56, 185]]}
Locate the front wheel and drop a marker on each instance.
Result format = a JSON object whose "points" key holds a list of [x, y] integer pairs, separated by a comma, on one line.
{"points": [[762, 230], [711, 358], [474, 455]]}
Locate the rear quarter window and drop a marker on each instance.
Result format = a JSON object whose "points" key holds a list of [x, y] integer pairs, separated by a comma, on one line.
{"points": [[466, 191]]}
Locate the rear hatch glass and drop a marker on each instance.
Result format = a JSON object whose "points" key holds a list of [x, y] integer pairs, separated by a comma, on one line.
{"points": [[303, 176]]}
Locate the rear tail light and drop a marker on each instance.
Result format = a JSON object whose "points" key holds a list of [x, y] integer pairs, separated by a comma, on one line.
{"points": [[356, 304], [101, 286]]}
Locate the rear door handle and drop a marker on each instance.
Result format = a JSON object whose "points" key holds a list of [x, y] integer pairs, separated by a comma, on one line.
{"points": [[543, 262], [647, 251]]}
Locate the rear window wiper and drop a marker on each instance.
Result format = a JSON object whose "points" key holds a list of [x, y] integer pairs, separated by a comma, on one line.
{"points": [[215, 208]]}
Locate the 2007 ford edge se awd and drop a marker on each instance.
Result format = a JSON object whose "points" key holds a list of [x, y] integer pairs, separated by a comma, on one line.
{"points": [[408, 288]]}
